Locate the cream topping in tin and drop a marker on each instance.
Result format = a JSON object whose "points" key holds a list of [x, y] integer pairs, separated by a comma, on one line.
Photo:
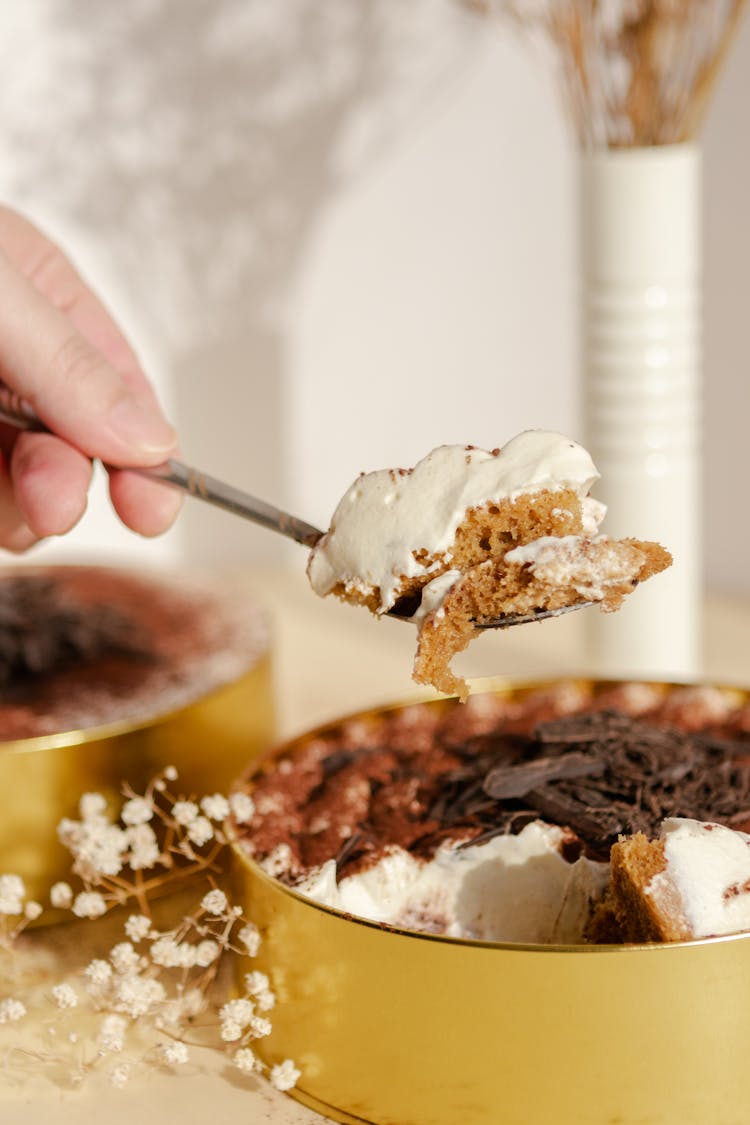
{"points": [[512, 888]]}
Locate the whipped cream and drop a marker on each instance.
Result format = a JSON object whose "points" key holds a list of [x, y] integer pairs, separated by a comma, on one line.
{"points": [[565, 561], [511, 888], [707, 877], [387, 516]]}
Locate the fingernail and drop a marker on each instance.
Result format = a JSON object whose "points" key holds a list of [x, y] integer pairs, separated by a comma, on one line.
{"points": [[140, 426]]}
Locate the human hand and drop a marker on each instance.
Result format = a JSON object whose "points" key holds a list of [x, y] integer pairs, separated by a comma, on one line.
{"points": [[61, 351]]}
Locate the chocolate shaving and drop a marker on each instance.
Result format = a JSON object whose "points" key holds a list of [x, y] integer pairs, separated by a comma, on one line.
{"points": [[598, 726], [568, 809], [337, 761], [518, 780], [349, 850]]}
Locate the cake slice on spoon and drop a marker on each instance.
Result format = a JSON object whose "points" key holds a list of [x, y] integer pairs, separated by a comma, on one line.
{"points": [[468, 536]]}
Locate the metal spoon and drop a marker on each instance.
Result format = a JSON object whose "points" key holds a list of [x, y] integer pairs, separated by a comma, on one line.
{"points": [[15, 411]]}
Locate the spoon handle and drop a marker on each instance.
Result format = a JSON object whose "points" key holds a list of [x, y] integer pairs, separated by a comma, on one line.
{"points": [[17, 412], [231, 499]]}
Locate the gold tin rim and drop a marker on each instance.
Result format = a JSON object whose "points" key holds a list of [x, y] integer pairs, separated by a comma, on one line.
{"points": [[507, 946], [79, 736]]}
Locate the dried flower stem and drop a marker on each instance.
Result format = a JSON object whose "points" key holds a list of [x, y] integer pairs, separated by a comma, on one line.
{"points": [[635, 72], [156, 982]]}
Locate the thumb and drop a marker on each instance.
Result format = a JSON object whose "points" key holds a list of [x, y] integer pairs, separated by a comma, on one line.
{"points": [[71, 386]]}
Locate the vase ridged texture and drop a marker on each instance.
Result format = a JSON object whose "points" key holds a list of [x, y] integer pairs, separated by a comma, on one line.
{"points": [[642, 390]]}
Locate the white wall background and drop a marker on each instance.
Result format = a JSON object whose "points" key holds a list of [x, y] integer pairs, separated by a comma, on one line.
{"points": [[339, 234]]}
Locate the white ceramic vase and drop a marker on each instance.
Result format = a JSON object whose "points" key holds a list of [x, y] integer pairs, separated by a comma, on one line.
{"points": [[641, 268]]}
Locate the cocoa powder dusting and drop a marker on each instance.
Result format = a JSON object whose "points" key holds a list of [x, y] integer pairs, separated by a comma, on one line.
{"points": [[42, 631]]}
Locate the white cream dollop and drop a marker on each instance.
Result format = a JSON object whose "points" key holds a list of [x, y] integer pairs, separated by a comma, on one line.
{"points": [[709, 867], [511, 888], [388, 515]]}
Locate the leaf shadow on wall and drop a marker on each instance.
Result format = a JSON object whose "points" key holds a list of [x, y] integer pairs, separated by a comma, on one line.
{"points": [[200, 144]]}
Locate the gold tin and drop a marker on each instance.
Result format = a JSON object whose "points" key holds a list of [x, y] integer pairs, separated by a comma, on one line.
{"points": [[208, 738], [400, 1028]]}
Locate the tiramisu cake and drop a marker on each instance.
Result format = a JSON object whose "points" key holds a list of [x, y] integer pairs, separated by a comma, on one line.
{"points": [[86, 646], [563, 815], [470, 535]]}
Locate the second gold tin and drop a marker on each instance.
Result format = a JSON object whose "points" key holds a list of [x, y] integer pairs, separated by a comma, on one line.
{"points": [[209, 737]]}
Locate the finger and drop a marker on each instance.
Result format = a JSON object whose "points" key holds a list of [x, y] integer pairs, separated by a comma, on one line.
{"points": [[51, 481], [15, 534], [52, 274], [73, 389], [144, 506]]}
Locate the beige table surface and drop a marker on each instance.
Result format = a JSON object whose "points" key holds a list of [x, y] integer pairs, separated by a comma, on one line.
{"points": [[330, 659]]}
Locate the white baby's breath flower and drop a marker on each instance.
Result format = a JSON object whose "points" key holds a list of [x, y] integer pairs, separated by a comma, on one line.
{"points": [[170, 772], [68, 831], [185, 812], [174, 1054], [137, 811], [231, 1032], [249, 935], [258, 986], [61, 895], [137, 995], [97, 846], [144, 847], [32, 910], [12, 894], [187, 955], [265, 1001], [239, 1011], [245, 1060], [260, 1027], [11, 1010], [214, 902], [124, 958], [89, 904], [242, 806], [119, 1076], [98, 972], [111, 1035], [284, 1076], [165, 951], [137, 927], [256, 982], [206, 952], [216, 807], [64, 995], [200, 831], [172, 954], [92, 805]]}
